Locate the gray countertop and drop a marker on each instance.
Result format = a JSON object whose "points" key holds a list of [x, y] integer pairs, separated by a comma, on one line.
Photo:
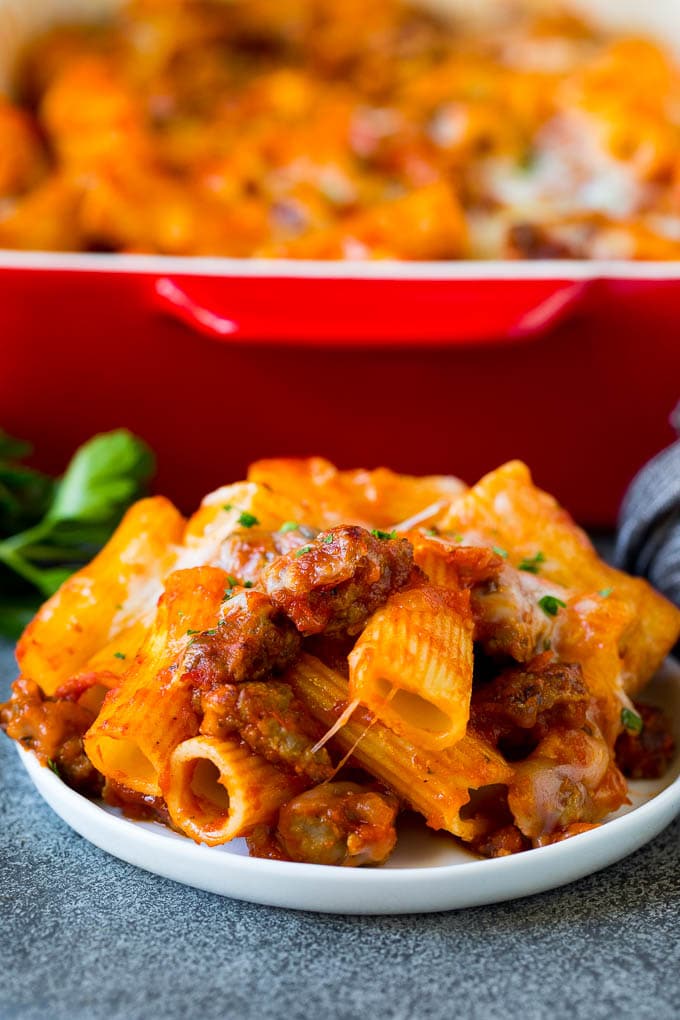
{"points": [[84, 936]]}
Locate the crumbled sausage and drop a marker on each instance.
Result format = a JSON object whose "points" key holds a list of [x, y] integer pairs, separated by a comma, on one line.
{"points": [[54, 730]]}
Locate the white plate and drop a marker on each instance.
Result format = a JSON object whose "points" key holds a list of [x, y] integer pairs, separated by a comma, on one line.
{"points": [[428, 872]]}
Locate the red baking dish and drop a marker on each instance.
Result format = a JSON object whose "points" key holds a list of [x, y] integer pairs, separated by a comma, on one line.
{"points": [[426, 367]]}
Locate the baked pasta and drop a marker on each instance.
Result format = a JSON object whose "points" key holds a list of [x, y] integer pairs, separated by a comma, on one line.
{"points": [[368, 129], [316, 651]]}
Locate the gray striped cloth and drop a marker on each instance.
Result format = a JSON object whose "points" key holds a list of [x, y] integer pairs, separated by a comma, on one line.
{"points": [[648, 541]]}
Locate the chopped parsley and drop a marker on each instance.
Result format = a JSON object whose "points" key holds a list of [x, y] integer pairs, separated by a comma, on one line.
{"points": [[119, 655], [289, 526], [247, 520], [385, 535], [228, 506], [500, 552], [550, 605], [605, 593], [631, 720], [431, 532], [457, 537], [247, 584], [532, 563], [327, 539], [305, 549], [233, 581], [190, 633], [53, 765]]}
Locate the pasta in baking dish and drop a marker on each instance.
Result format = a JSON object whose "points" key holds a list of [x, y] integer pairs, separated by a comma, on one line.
{"points": [[317, 650], [367, 129]]}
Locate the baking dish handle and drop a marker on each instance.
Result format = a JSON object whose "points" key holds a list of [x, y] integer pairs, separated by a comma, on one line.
{"points": [[382, 312]]}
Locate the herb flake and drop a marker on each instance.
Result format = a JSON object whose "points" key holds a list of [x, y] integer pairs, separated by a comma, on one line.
{"points": [[384, 535], [247, 520], [550, 605], [532, 563], [631, 721]]}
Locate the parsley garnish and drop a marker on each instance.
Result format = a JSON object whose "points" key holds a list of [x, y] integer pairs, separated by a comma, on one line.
{"points": [[119, 655], [233, 581], [305, 549], [190, 633], [605, 592], [53, 765], [327, 539], [457, 537], [227, 506], [431, 532], [247, 520], [631, 720], [289, 526], [48, 529], [531, 563], [550, 604], [500, 552], [385, 535], [247, 584]]}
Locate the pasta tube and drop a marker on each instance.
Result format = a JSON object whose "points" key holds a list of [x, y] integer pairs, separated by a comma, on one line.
{"points": [[244, 504], [218, 789], [506, 509], [378, 498], [105, 598], [143, 720], [437, 784], [412, 665]]}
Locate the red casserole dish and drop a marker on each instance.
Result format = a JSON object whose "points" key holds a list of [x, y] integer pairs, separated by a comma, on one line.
{"points": [[429, 367]]}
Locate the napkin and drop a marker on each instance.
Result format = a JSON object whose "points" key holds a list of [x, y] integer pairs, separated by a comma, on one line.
{"points": [[648, 540]]}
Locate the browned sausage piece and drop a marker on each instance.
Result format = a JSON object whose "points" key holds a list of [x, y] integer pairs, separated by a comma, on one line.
{"points": [[272, 721], [333, 584], [339, 823], [520, 706], [252, 640], [646, 755]]}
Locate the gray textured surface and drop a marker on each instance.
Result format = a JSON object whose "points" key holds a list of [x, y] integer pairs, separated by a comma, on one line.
{"points": [[85, 937]]}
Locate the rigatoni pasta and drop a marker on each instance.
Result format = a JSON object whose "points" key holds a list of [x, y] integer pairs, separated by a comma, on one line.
{"points": [[149, 714], [317, 650], [435, 783], [218, 789], [412, 665]]}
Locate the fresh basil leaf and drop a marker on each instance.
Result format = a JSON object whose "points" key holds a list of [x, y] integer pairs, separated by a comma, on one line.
{"points": [[105, 475]]}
